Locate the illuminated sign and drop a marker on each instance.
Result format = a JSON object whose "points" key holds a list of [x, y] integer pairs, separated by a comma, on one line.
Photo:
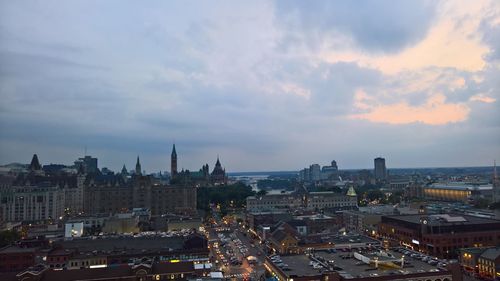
{"points": [[415, 242]]}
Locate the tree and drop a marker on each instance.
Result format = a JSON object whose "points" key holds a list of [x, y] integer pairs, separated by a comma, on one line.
{"points": [[261, 192], [374, 194], [481, 203], [8, 236], [234, 195], [395, 197]]}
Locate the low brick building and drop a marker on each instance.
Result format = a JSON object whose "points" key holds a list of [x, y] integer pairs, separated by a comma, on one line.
{"points": [[440, 235]]}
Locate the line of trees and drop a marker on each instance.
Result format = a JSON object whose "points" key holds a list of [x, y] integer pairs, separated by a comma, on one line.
{"points": [[227, 196]]}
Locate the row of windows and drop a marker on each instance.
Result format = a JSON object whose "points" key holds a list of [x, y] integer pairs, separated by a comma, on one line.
{"points": [[87, 263]]}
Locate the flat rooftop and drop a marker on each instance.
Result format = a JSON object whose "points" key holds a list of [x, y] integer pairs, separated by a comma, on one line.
{"points": [[385, 210], [348, 266], [351, 267], [16, 250], [314, 217], [440, 219], [458, 186], [342, 240], [299, 266], [125, 243]]}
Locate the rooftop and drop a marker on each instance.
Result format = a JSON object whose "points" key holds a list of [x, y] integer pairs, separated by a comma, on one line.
{"points": [[356, 264], [461, 186], [389, 263], [386, 209], [440, 219], [16, 249], [128, 243], [299, 266], [340, 240], [491, 253]]}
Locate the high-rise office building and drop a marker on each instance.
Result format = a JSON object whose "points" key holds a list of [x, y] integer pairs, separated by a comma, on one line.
{"points": [[88, 164], [315, 172], [380, 169], [496, 184]]}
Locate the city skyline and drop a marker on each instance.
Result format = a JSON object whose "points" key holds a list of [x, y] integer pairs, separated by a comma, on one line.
{"points": [[265, 85], [132, 168]]}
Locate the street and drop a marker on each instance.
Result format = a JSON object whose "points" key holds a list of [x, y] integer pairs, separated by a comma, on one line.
{"points": [[233, 252]]}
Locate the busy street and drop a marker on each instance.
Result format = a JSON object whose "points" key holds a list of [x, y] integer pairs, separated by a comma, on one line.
{"points": [[233, 251]]}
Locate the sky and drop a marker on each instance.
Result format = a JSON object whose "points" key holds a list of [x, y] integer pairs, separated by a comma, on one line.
{"points": [[264, 85]]}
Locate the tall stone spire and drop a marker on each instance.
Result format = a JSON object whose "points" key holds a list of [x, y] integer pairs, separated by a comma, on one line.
{"points": [[138, 167], [173, 162]]}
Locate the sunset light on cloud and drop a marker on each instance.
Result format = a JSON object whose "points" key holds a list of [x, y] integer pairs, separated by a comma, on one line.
{"points": [[452, 43], [435, 111], [482, 98]]}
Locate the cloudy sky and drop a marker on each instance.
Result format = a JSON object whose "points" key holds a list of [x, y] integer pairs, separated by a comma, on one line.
{"points": [[267, 85]]}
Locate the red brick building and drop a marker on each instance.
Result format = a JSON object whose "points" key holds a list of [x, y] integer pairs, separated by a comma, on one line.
{"points": [[440, 235], [15, 258]]}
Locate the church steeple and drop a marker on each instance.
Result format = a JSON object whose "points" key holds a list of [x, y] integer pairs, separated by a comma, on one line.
{"points": [[173, 162], [138, 167]]}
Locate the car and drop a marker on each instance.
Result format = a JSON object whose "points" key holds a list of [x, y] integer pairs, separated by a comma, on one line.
{"points": [[433, 270]]}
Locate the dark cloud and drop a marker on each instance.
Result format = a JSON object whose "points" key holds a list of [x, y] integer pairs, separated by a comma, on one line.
{"points": [[375, 26], [491, 36]]}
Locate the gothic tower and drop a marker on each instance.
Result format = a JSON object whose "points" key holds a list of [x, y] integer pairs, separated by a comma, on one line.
{"points": [[173, 162], [138, 167]]}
